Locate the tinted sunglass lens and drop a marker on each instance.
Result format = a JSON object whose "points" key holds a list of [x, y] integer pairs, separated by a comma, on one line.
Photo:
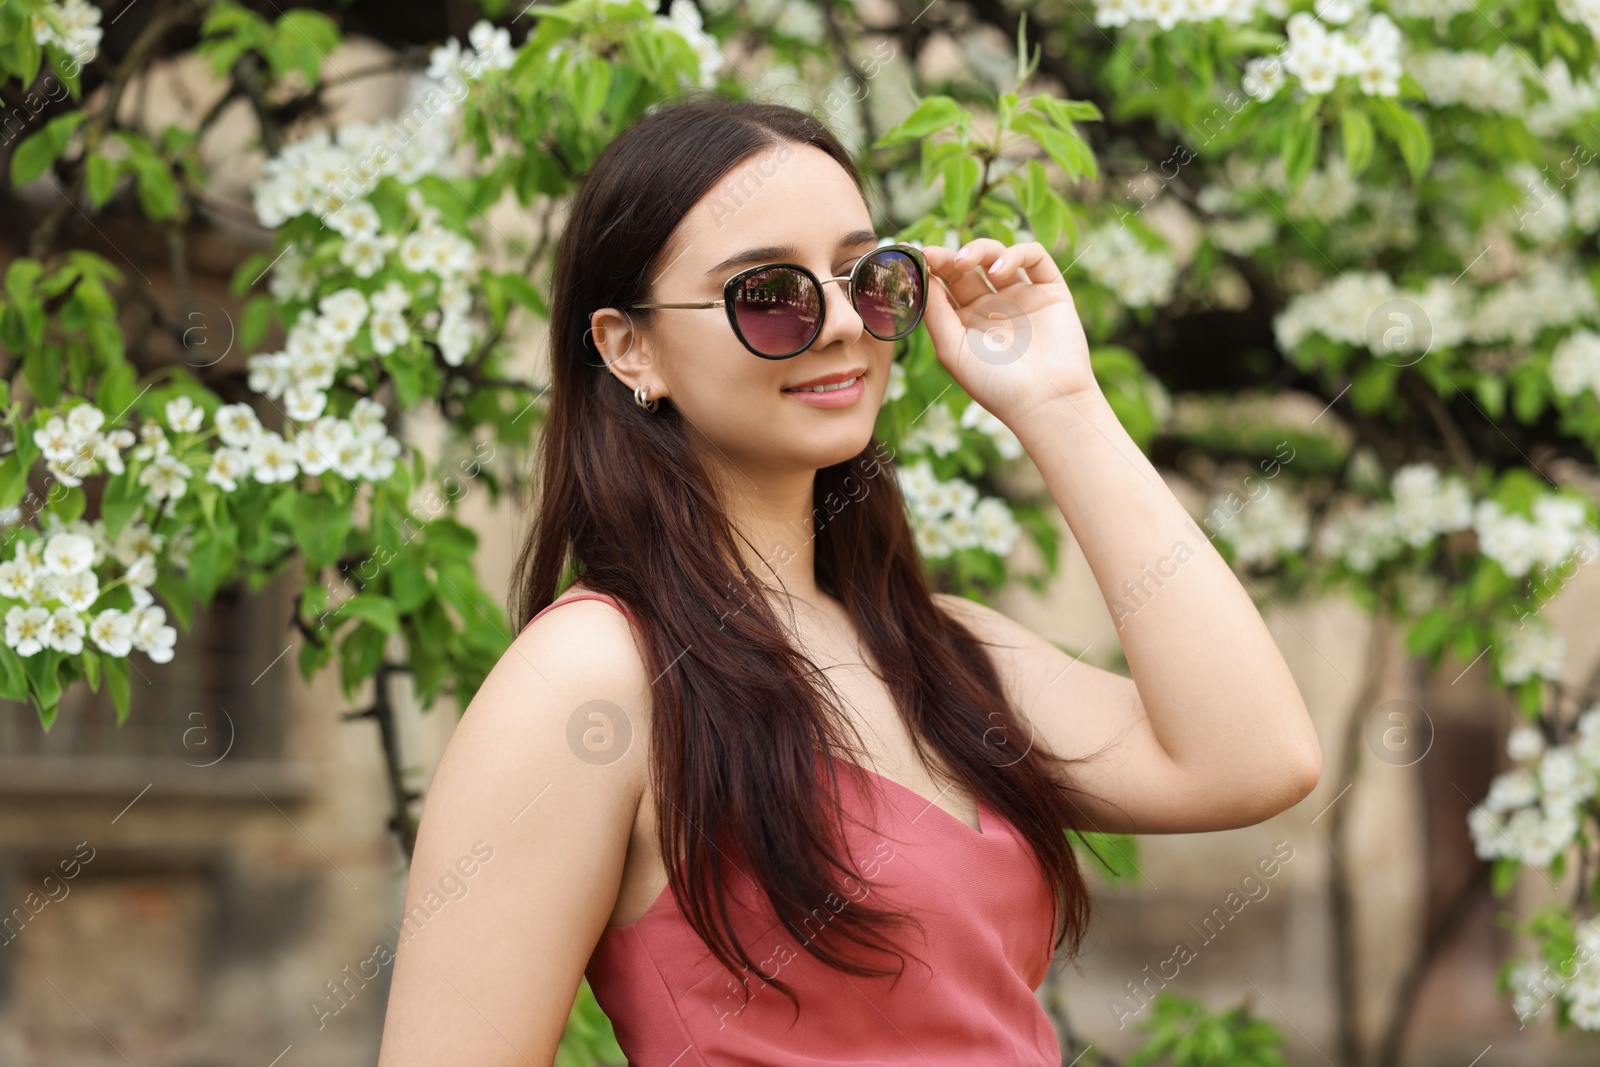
{"points": [[888, 294], [777, 310]]}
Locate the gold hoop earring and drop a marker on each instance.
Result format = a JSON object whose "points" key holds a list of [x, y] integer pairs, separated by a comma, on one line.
{"points": [[641, 396]]}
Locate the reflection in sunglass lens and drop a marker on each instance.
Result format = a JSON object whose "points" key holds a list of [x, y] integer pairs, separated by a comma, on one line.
{"points": [[888, 294], [777, 310]]}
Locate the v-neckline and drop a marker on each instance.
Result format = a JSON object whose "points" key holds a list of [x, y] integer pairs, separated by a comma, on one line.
{"points": [[981, 807]]}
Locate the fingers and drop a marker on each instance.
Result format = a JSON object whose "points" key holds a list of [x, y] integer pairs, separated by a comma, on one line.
{"points": [[984, 264], [1032, 258], [961, 268], [975, 256]]}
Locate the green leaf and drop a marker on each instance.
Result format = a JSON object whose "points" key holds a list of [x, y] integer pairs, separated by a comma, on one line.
{"points": [[1503, 875], [22, 279], [1373, 387], [42, 370], [70, 504], [1068, 150], [320, 527], [380, 611], [933, 113], [103, 172], [213, 558], [44, 684], [118, 679], [13, 480], [525, 293], [34, 156], [178, 593], [122, 500], [591, 82], [1430, 632], [960, 178], [1530, 695], [1528, 397], [91, 668], [247, 272], [408, 583], [254, 320], [1302, 139], [158, 191], [1114, 856], [359, 656], [116, 393], [13, 682], [1357, 130], [1065, 112], [1407, 131], [1491, 393], [450, 539], [301, 40]]}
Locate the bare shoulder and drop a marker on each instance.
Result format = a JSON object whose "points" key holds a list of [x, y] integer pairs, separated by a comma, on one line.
{"points": [[543, 775], [578, 664]]}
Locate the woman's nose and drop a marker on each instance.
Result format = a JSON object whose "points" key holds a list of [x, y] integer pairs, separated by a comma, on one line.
{"points": [[842, 322]]}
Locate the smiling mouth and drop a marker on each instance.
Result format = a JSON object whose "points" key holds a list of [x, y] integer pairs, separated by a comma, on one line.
{"points": [[835, 387]]}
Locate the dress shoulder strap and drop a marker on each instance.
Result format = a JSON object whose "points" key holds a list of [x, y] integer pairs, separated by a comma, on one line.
{"points": [[613, 601]]}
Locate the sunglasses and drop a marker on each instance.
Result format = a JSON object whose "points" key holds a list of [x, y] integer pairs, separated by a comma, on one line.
{"points": [[777, 309]]}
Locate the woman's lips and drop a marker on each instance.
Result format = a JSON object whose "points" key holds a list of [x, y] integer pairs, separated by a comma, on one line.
{"points": [[833, 397]]}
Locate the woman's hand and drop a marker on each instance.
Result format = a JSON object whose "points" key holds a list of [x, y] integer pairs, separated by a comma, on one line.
{"points": [[1013, 348]]}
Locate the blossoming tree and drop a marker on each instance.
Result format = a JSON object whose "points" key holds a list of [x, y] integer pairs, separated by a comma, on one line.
{"points": [[1334, 260]]}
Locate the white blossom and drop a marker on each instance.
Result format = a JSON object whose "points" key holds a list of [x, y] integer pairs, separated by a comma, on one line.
{"points": [[1264, 528], [228, 465], [1525, 742], [72, 26], [77, 591], [166, 477], [1575, 363], [237, 424], [1120, 261], [184, 416], [112, 632], [303, 402], [26, 629], [16, 579], [456, 338], [68, 553], [936, 430], [1426, 504], [271, 458], [64, 631], [151, 635], [1526, 651], [358, 217], [979, 418], [135, 540]]}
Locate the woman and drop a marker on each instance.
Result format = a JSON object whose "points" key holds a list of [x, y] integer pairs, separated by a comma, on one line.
{"points": [[779, 801]]}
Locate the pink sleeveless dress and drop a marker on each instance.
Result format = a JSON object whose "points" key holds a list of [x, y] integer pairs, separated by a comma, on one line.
{"points": [[985, 945]]}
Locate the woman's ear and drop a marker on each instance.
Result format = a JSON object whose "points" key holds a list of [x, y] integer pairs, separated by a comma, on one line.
{"points": [[624, 348]]}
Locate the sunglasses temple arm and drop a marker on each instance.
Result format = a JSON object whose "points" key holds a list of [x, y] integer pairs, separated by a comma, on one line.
{"points": [[947, 291]]}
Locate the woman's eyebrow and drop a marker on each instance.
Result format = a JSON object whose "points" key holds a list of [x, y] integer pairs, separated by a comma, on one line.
{"points": [[789, 252]]}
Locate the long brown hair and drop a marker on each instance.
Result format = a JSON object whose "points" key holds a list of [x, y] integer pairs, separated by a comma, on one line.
{"points": [[738, 714]]}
